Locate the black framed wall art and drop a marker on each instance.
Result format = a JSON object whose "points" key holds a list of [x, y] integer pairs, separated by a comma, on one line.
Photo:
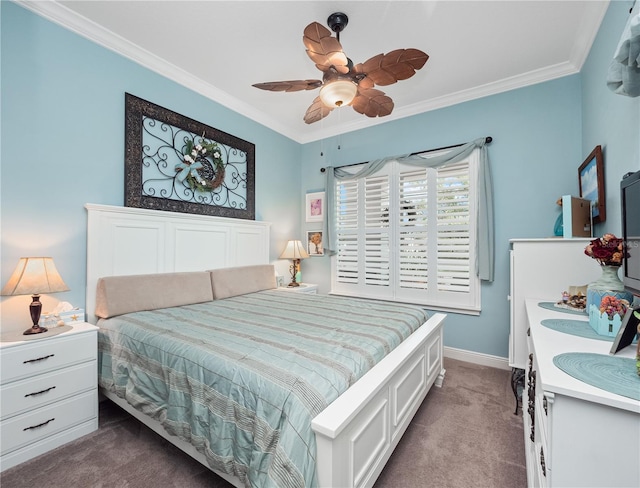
{"points": [[175, 163]]}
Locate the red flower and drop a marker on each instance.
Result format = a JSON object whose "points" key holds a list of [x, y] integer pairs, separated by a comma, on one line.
{"points": [[608, 250]]}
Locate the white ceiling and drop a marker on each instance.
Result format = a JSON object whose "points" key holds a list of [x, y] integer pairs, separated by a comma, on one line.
{"points": [[220, 48]]}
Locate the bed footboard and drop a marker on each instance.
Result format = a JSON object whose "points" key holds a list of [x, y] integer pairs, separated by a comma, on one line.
{"points": [[357, 433]]}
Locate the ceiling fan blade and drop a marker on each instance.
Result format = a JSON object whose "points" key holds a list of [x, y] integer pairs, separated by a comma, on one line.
{"points": [[289, 86], [365, 82], [372, 103], [386, 69], [316, 111], [323, 49]]}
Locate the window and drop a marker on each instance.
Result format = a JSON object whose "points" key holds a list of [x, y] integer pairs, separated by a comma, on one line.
{"points": [[408, 234]]}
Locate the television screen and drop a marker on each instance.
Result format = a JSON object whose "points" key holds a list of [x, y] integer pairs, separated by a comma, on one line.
{"points": [[630, 200]]}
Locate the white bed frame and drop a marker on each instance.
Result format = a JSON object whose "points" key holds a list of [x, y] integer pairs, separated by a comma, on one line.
{"points": [[357, 433]]}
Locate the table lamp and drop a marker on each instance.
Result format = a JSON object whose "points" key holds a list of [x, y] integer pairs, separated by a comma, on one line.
{"points": [[296, 251], [34, 276]]}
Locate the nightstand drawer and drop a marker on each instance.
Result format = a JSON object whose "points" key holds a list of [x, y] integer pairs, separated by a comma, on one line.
{"points": [[31, 427], [44, 355], [32, 393]]}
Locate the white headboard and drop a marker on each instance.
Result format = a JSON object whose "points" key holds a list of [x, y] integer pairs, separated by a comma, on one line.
{"points": [[127, 241]]}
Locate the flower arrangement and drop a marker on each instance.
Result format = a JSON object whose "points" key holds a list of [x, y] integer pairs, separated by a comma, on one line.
{"points": [[608, 250], [196, 168], [613, 306]]}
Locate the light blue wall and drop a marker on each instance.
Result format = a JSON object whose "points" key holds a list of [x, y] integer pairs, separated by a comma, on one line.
{"points": [[611, 120], [539, 143], [534, 158], [63, 146]]}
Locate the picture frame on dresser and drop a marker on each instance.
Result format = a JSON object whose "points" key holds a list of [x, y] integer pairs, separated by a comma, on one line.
{"points": [[627, 332], [591, 181]]}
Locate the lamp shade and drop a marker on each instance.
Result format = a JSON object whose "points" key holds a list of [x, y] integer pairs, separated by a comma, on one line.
{"points": [[34, 276], [338, 93], [294, 250]]}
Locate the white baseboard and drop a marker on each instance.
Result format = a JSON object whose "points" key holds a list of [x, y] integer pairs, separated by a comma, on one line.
{"points": [[477, 358]]}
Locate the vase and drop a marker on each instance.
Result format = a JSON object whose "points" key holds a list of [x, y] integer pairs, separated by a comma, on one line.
{"points": [[610, 284], [604, 325]]}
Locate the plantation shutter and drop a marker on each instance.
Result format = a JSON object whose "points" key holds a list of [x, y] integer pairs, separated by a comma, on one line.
{"points": [[376, 224], [454, 227], [413, 235], [407, 233], [347, 225]]}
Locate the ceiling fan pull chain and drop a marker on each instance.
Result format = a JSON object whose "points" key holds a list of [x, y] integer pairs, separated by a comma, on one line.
{"points": [[340, 133]]}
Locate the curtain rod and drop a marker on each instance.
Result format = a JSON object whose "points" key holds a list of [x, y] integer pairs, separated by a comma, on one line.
{"points": [[487, 140]]}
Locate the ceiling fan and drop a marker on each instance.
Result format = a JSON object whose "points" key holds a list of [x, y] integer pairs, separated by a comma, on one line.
{"points": [[344, 83]]}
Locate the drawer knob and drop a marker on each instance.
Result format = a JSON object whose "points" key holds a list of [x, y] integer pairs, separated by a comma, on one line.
{"points": [[38, 359], [39, 392], [39, 425]]}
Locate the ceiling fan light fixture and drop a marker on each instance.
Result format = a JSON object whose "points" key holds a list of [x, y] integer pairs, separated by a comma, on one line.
{"points": [[338, 93]]}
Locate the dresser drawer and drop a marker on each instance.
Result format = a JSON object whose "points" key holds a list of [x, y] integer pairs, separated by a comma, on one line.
{"points": [[25, 429], [32, 393], [45, 355]]}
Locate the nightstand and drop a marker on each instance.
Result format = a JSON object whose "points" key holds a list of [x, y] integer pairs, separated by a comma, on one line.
{"points": [[48, 391], [309, 288]]}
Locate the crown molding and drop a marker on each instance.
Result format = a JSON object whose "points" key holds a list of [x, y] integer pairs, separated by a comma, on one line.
{"points": [[61, 15], [70, 20], [501, 86]]}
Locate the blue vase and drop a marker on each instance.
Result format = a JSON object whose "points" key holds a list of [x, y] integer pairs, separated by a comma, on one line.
{"points": [[610, 284]]}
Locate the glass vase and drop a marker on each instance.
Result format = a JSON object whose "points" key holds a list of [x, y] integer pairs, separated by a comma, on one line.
{"points": [[610, 284]]}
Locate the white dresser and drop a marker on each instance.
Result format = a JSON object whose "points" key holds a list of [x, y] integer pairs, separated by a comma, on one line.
{"points": [[543, 268], [48, 392], [576, 435]]}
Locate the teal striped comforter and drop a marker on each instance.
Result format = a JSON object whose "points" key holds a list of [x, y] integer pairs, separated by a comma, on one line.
{"points": [[241, 378]]}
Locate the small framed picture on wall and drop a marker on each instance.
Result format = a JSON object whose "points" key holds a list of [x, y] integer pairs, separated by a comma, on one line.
{"points": [[314, 207], [314, 243]]}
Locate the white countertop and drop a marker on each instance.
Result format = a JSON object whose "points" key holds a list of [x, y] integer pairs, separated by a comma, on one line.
{"points": [[553, 378]]}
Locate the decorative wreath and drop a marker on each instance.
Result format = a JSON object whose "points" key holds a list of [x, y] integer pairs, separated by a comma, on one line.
{"points": [[201, 167]]}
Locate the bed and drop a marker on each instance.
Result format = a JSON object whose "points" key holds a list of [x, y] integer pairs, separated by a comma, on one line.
{"points": [[148, 277]]}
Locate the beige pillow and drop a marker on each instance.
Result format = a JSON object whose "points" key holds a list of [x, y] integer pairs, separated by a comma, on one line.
{"points": [[116, 295], [240, 280]]}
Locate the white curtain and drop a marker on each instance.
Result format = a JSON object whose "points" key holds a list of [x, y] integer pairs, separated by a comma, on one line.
{"points": [[623, 77], [485, 260]]}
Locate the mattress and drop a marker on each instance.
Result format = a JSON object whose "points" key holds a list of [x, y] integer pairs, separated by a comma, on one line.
{"points": [[242, 378]]}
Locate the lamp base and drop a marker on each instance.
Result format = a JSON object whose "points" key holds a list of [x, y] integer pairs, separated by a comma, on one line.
{"points": [[36, 329], [293, 284]]}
